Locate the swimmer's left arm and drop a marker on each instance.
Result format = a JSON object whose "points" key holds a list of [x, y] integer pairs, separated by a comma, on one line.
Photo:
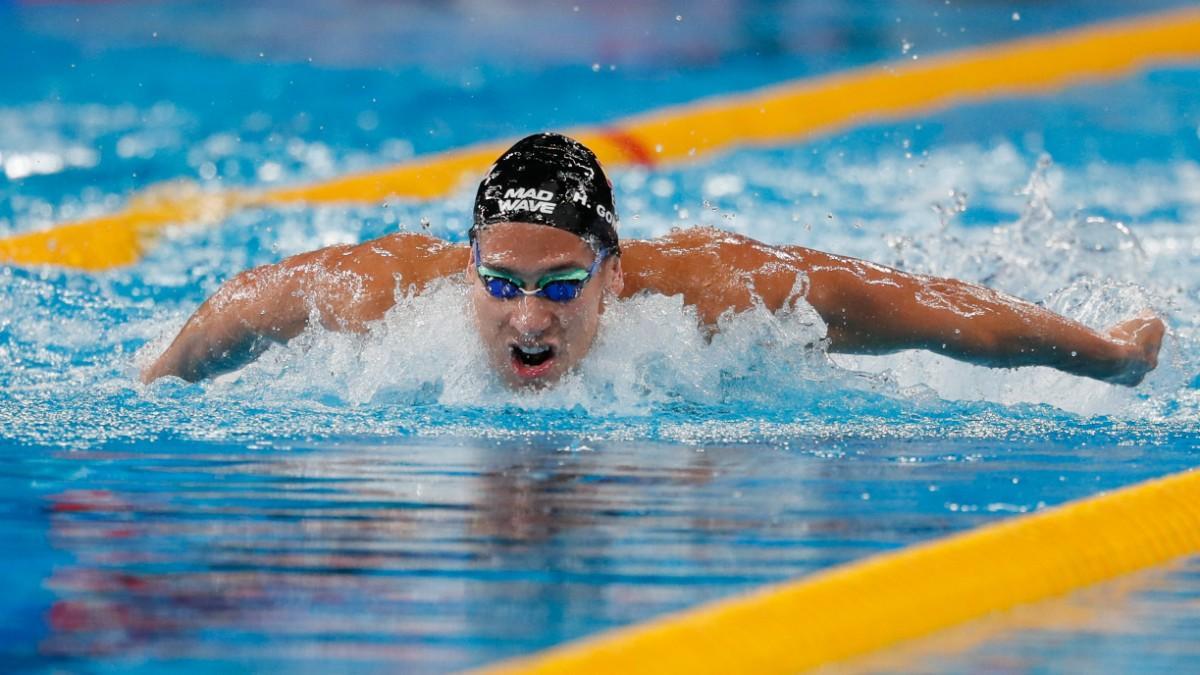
{"points": [[874, 310]]}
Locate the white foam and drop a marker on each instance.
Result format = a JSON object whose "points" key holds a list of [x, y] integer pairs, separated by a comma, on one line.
{"points": [[650, 350]]}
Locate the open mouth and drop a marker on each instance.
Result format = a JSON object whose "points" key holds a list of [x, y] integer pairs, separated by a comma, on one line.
{"points": [[532, 360]]}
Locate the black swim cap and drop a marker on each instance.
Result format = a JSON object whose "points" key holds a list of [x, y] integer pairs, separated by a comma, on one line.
{"points": [[553, 180]]}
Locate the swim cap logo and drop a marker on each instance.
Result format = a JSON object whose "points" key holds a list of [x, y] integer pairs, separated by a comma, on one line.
{"points": [[605, 214], [529, 200]]}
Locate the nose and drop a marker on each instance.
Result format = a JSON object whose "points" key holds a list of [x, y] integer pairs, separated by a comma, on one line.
{"points": [[531, 316]]}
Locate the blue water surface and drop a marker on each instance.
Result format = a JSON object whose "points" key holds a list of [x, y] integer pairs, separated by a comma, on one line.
{"points": [[379, 503]]}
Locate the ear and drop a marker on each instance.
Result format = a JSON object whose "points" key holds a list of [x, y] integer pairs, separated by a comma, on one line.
{"points": [[614, 283], [616, 278]]}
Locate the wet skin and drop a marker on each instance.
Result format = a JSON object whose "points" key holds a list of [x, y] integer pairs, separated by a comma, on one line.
{"points": [[868, 308]]}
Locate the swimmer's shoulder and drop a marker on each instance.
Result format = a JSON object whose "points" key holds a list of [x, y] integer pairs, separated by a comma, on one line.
{"points": [[716, 269], [376, 267], [705, 247], [712, 245], [693, 262], [413, 248], [414, 257]]}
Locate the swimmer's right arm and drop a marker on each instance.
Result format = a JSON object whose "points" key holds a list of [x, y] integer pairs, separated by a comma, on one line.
{"points": [[265, 305], [342, 287]]}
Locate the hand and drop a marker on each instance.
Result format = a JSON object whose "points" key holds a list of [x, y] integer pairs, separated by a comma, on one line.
{"points": [[1140, 338]]}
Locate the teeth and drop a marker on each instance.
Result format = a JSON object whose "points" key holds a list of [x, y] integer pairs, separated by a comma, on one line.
{"points": [[533, 350]]}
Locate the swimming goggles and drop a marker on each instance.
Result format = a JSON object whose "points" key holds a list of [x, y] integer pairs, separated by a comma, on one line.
{"points": [[556, 287]]}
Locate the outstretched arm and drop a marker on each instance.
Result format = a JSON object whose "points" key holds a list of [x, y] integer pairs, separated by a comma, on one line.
{"points": [[343, 287], [873, 309]]}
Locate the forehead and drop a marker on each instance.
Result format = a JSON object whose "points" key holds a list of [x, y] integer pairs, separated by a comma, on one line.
{"points": [[527, 246]]}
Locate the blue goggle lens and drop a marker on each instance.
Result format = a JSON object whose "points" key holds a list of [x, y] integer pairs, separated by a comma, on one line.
{"points": [[501, 288], [555, 291], [562, 291]]}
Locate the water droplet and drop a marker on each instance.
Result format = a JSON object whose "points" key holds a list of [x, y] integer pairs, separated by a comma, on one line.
{"points": [[1016, 16]]}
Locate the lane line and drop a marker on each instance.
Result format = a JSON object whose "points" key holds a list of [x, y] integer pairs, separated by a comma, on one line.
{"points": [[783, 113], [633, 148], [867, 605]]}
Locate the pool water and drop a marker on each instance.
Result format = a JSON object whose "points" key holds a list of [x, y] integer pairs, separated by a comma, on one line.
{"points": [[380, 502]]}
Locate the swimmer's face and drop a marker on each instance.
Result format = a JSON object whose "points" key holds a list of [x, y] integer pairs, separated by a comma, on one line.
{"points": [[533, 341]]}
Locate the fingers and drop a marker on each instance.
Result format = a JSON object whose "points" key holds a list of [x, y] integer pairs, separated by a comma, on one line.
{"points": [[1142, 337]]}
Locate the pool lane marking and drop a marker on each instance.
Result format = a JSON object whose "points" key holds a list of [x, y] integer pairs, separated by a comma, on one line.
{"points": [[901, 89], [634, 149], [781, 113], [864, 606]]}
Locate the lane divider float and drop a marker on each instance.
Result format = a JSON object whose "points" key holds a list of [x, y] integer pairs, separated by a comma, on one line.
{"points": [[867, 605], [778, 114]]}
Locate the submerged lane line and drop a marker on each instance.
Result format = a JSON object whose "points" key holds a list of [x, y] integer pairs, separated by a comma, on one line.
{"points": [[864, 606], [783, 113]]}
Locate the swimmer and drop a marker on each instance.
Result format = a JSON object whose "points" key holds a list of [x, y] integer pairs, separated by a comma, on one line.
{"points": [[543, 260]]}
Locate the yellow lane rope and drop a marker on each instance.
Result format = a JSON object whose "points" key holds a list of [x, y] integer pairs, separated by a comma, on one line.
{"points": [[864, 606], [781, 113]]}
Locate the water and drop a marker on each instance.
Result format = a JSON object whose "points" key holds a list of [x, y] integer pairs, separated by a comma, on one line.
{"points": [[380, 502]]}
